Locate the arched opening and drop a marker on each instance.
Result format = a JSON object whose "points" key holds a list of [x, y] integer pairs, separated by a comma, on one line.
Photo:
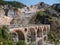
{"points": [[14, 37], [44, 31], [25, 30], [31, 35], [39, 32], [20, 35], [40, 42]]}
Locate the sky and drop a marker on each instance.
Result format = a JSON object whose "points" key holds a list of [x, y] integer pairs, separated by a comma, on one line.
{"points": [[32, 2]]}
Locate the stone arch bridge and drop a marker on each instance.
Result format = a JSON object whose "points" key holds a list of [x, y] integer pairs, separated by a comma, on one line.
{"points": [[33, 33]]}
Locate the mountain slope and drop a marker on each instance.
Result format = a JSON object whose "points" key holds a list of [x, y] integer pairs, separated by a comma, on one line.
{"points": [[56, 7], [13, 3], [53, 10]]}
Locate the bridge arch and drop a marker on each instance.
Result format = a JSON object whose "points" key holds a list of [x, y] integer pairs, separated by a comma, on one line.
{"points": [[21, 35], [44, 30], [14, 36], [39, 32], [31, 34]]}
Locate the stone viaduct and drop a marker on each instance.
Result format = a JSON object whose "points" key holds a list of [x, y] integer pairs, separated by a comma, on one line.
{"points": [[32, 33]]}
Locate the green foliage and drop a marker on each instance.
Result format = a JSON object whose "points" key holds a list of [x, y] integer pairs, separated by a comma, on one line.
{"points": [[13, 4], [41, 18], [21, 42], [7, 42], [1, 0], [52, 38], [32, 43], [5, 36], [4, 32]]}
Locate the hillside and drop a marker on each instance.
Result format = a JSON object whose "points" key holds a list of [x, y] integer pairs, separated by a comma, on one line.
{"points": [[13, 4], [46, 14], [56, 7]]}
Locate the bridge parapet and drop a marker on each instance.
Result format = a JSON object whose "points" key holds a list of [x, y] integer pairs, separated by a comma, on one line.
{"points": [[22, 26]]}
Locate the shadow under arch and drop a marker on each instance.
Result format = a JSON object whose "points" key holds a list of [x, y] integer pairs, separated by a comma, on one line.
{"points": [[20, 35], [31, 34], [39, 32], [14, 36], [44, 31]]}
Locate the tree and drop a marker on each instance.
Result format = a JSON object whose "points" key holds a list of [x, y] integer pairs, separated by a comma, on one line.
{"points": [[52, 38], [41, 18], [1, 0], [4, 32], [21, 42], [5, 36]]}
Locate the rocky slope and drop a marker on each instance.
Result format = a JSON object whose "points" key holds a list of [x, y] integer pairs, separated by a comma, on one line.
{"points": [[50, 9], [56, 7]]}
